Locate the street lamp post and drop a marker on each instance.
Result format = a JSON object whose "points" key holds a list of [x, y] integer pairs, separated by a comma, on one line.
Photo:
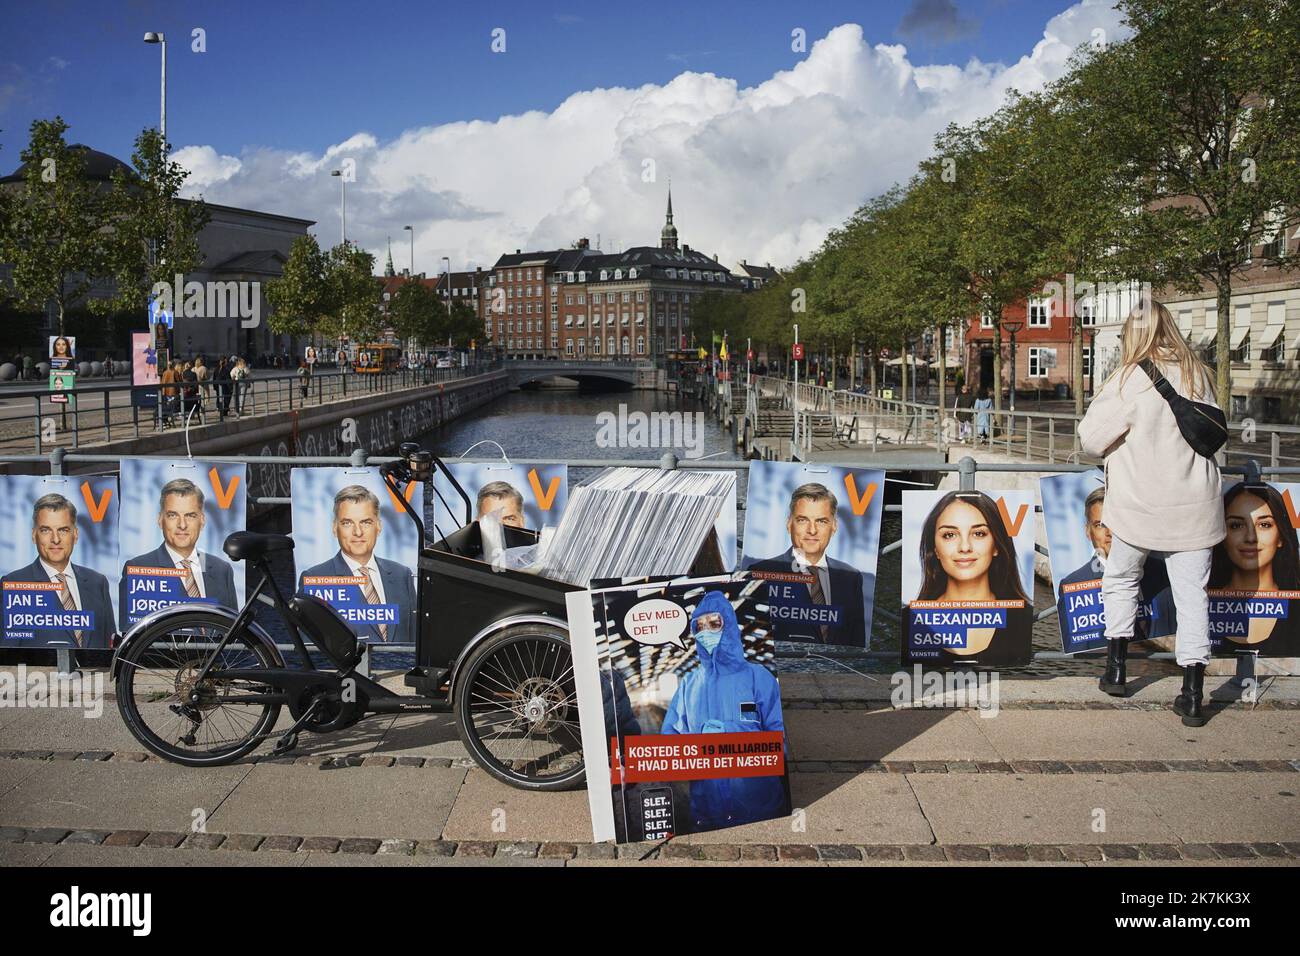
{"points": [[343, 194], [412, 232], [447, 260], [161, 40], [1013, 328]]}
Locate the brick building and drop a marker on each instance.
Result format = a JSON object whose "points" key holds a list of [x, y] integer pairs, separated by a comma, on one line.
{"points": [[586, 304]]}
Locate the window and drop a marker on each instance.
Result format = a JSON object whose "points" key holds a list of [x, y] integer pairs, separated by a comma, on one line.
{"points": [[1040, 314], [627, 296], [612, 349], [609, 297], [618, 273], [1040, 360], [659, 296], [1087, 361], [582, 298], [640, 296], [986, 320], [1087, 313], [568, 321], [582, 276], [568, 300], [582, 347], [555, 341], [640, 318], [1242, 352], [627, 345], [595, 345], [672, 296], [626, 318], [640, 345], [672, 274], [555, 324], [604, 274], [582, 321], [568, 346]]}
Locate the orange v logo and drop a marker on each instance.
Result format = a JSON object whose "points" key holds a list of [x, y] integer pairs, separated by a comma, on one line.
{"points": [[544, 498], [1290, 509], [97, 508], [1013, 527], [407, 492], [224, 495], [859, 504]]}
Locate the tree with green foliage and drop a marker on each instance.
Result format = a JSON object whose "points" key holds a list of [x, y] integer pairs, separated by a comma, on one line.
{"points": [[1202, 108], [300, 298], [414, 312], [53, 234], [155, 234]]}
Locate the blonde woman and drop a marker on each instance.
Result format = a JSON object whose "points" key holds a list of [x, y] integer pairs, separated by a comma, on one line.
{"points": [[1162, 497]]}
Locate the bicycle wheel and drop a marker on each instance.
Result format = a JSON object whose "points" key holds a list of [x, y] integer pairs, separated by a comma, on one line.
{"points": [[517, 709], [156, 681]]}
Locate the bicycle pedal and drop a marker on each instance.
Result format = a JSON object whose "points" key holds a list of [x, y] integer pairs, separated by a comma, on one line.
{"points": [[285, 744]]}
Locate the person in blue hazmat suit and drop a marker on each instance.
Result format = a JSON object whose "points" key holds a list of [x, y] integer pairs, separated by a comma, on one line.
{"points": [[727, 694]]}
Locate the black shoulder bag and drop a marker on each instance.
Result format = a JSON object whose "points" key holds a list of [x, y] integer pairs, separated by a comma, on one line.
{"points": [[1203, 426]]}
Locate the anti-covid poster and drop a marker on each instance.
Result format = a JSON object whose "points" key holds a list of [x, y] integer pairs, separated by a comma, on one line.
{"points": [[356, 549], [59, 560], [1078, 541], [1254, 587], [679, 707], [813, 532], [175, 516], [523, 495], [968, 577]]}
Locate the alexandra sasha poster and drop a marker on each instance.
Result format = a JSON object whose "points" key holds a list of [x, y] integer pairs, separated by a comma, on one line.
{"points": [[1254, 587], [968, 577], [175, 517], [679, 706], [356, 549], [59, 560], [523, 495], [1078, 541], [813, 532]]}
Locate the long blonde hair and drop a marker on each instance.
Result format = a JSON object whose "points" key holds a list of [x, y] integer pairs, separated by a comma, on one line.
{"points": [[1150, 332]]}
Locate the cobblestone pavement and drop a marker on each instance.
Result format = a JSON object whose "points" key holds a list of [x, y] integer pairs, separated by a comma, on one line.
{"points": [[1056, 774]]}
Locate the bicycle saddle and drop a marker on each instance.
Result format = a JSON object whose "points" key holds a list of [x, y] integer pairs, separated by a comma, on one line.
{"points": [[249, 545]]}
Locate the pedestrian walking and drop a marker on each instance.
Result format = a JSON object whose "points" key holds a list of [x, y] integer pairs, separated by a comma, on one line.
{"points": [[1163, 496], [239, 383], [962, 406], [221, 380], [201, 372], [983, 416], [304, 378]]}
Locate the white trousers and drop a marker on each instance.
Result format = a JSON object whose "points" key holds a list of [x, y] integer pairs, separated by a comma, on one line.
{"points": [[1189, 572]]}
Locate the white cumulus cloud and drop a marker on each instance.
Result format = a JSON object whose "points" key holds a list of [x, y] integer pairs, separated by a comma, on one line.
{"points": [[761, 173]]}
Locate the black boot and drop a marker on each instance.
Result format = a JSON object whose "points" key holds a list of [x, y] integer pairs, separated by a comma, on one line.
{"points": [[1187, 705], [1112, 681]]}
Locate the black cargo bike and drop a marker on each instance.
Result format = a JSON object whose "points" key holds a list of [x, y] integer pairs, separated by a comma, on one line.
{"points": [[204, 685]]}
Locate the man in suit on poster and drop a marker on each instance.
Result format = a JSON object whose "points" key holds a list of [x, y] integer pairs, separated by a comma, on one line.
{"points": [[180, 518], [357, 527], [811, 524], [54, 532]]}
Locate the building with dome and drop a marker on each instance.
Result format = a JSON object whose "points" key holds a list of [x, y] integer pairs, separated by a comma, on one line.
{"points": [[236, 245]]}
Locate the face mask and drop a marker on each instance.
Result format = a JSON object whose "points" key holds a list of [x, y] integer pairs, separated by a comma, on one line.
{"points": [[708, 639]]}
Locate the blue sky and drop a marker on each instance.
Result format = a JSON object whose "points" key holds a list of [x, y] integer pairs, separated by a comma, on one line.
{"points": [[303, 75], [574, 131]]}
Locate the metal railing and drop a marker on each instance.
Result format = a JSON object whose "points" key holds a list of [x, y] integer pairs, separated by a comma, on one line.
{"points": [[1033, 435], [34, 419], [966, 469]]}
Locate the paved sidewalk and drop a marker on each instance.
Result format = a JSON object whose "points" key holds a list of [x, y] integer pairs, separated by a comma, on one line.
{"points": [[1058, 773]]}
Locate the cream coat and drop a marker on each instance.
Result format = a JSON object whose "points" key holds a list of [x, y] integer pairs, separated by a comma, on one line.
{"points": [[1160, 494]]}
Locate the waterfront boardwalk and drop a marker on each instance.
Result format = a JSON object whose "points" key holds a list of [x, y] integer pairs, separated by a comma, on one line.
{"points": [[1061, 774]]}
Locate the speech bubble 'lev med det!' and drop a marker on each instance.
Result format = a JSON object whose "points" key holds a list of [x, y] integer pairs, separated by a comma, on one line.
{"points": [[655, 621]]}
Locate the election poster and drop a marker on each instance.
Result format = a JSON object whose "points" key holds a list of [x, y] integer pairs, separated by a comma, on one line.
{"points": [[1078, 543], [522, 495], [59, 560], [679, 706], [1255, 572], [356, 549], [175, 517], [968, 578], [144, 370], [813, 532]]}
